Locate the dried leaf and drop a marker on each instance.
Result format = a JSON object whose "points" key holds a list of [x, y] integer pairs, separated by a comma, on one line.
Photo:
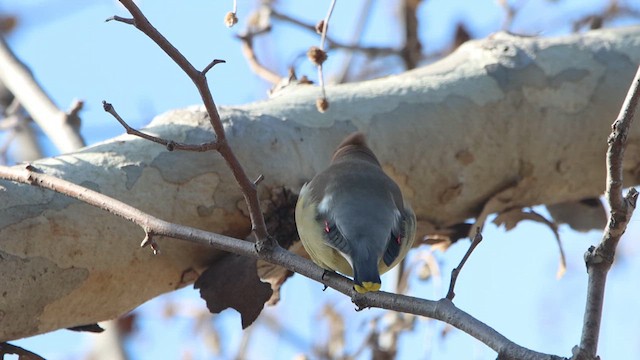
{"points": [[424, 271], [443, 238], [232, 282], [127, 323], [502, 200], [583, 215], [280, 221], [512, 217], [94, 328], [336, 341], [277, 275]]}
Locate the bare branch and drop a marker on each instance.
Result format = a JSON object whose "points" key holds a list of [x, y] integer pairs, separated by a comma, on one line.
{"points": [[21, 135], [170, 144], [456, 271], [318, 56], [121, 19], [256, 66], [151, 225], [363, 18], [200, 81], [212, 64], [60, 127], [599, 259], [325, 24], [443, 310], [412, 50], [335, 44]]}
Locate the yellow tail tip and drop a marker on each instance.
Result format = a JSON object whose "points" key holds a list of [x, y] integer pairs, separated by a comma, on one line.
{"points": [[366, 287]]}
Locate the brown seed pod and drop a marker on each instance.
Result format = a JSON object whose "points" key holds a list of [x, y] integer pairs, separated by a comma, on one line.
{"points": [[230, 19], [316, 55], [322, 104]]}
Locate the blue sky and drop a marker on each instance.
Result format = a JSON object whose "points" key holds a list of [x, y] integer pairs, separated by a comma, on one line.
{"points": [[509, 282]]}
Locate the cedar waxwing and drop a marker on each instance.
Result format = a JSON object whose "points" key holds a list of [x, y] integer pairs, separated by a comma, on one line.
{"points": [[352, 218]]}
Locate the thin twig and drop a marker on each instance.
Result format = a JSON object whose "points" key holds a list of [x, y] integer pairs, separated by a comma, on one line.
{"points": [[443, 309], [511, 11], [252, 59], [364, 16], [412, 50], [562, 266], [211, 65], [323, 37], [249, 190], [599, 259], [169, 144], [121, 19], [332, 43], [456, 271], [325, 24]]}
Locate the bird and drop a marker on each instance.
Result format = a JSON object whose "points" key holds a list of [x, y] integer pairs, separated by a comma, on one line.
{"points": [[352, 217]]}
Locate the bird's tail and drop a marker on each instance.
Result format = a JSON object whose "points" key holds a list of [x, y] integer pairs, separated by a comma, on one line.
{"points": [[366, 277]]}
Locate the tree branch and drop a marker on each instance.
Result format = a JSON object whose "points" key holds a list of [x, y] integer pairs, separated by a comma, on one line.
{"points": [[477, 238], [599, 259], [322, 103], [23, 354], [443, 310], [199, 79], [252, 59], [62, 128], [335, 44], [94, 264], [412, 50], [21, 135], [170, 144]]}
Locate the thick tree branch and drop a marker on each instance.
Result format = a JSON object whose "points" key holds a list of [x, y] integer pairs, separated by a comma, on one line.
{"points": [[62, 128], [462, 116], [21, 135], [442, 310], [599, 259]]}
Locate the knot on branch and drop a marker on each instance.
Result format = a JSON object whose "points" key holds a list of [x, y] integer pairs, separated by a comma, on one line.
{"points": [[359, 301], [265, 246], [596, 255], [618, 132], [149, 240], [581, 354], [632, 199]]}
